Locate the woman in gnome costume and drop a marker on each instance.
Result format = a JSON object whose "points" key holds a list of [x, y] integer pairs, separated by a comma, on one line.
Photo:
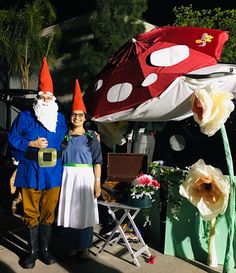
{"points": [[35, 140], [82, 159]]}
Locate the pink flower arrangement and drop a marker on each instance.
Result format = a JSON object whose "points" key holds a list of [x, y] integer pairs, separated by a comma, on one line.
{"points": [[144, 184]]}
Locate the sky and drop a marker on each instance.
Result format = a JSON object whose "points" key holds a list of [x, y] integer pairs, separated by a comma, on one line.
{"points": [[159, 12]]}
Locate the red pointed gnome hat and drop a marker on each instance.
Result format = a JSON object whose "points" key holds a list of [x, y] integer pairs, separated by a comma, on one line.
{"points": [[45, 79], [78, 103]]}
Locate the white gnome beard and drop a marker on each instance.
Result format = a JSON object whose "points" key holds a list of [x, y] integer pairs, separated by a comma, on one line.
{"points": [[46, 113]]}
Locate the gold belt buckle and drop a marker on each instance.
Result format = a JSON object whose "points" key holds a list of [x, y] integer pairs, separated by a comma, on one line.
{"points": [[47, 157]]}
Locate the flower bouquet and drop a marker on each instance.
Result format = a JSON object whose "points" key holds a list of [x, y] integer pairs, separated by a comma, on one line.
{"points": [[144, 185], [142, 190]]}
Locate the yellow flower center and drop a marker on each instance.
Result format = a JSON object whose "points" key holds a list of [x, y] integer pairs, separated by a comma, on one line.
{"points": [[206, 188]]}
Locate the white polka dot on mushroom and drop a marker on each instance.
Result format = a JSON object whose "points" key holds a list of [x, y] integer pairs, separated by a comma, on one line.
{"points": [[169, 56], [119, 92]]}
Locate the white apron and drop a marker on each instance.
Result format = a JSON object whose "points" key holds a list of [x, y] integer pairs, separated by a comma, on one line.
{"points": [[77, 205]]}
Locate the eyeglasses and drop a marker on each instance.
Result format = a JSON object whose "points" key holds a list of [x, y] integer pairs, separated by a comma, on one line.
{"points": [[80, 115], [45, 97]]}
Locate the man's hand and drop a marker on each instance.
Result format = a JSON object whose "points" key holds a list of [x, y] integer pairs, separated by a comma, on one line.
{"points": [[39, 143]]}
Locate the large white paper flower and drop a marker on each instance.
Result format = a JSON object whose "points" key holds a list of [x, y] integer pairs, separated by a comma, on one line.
{"points": [[206, 188], [211, 108]]}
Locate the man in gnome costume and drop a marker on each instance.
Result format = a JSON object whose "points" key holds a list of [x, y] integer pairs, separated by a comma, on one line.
{"points": [[35, 140], [82, 159]]}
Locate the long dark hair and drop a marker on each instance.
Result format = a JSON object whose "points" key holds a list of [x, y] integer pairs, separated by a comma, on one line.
{"points": [[87, 127]]}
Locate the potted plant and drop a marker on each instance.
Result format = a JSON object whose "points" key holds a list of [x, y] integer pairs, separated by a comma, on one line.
{"points": [[142, 190]]}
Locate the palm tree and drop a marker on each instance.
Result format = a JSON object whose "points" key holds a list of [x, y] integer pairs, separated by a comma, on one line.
{"points": [[22, 40]]}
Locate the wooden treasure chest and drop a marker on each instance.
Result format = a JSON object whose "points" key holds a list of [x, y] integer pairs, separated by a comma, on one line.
{"points": [[122, 168]]}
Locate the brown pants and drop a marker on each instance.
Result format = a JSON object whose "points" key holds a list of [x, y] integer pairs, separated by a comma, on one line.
{"points": [[39, 206]]}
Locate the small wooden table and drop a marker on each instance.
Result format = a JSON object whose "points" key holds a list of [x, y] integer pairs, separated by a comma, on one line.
{"points": [[130, 213]]}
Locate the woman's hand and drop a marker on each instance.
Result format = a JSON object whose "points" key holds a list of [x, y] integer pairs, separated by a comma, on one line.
{"points": [[97, 189]]}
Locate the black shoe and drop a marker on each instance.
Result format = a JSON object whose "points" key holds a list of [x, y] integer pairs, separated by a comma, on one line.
{"points": [[83, 254], [28, 262], [46, 257]]}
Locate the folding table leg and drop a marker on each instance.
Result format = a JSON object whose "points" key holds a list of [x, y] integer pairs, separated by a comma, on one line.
{"points": [[131, 216], [118, 223], [144, 247]]}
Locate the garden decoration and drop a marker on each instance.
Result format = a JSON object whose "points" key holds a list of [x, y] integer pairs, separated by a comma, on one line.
{"points": [[205, 186], [208, 189], [144, 67], [144, 185], [142, 190], [169, 177]]}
